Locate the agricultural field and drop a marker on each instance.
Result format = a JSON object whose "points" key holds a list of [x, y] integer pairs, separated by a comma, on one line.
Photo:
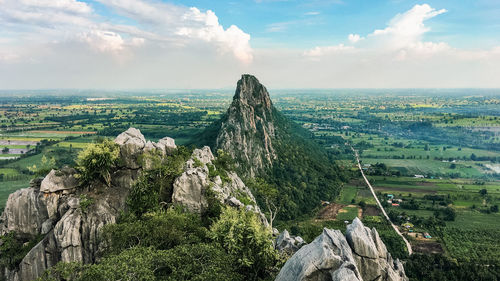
{"points": [[438, 154]]}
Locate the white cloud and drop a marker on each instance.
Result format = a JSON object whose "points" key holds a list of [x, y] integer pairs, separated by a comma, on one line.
{"points": [[51, 44], [313, 13], [48, 21], [170, 22], [72, 6], [402, 37], [354, 38], [205, 26], [104, 41], [327, 50], [407, 28]]}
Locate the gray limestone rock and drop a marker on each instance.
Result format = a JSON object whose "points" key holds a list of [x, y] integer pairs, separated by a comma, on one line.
{"points": [[132, 144], [250, 115], [24, 213], [332, 257], [63, 181]]}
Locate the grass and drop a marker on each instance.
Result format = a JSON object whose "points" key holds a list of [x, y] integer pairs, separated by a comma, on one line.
{"points": [[347, 213], [348, 194]]}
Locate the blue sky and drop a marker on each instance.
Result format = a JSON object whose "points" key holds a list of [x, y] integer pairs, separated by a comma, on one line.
{"points": [[303, 24], [199, 44]]}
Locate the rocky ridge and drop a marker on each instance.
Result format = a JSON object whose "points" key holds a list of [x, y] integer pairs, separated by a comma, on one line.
{"points": [[247, 130], [52, 207], [357, 256]]}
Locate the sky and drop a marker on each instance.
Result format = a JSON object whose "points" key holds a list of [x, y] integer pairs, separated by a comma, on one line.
{"points": [[185, 44]]}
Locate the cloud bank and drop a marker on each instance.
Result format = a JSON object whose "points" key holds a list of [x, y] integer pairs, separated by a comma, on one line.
{"points": [[152, 44]]}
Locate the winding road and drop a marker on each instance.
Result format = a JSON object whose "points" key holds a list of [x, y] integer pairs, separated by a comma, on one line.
{"points": [[408, 245]]}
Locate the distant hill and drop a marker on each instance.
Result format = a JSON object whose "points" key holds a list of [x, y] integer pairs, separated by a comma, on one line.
{"points": [[266, 144]]}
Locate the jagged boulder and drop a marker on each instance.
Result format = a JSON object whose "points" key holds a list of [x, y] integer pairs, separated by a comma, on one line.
{"points": [[52, 207], [166, 145], [132, 144], [24, 213], [332, 257], [63, 181], [285, 243]]}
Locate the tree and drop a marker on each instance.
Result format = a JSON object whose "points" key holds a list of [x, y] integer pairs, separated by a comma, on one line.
{"points": [[483, 192], [494, 209], [97, 161], [269, 195], [5, 150]]}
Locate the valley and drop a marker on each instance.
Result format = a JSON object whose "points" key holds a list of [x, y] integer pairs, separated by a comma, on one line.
{"points": [[432, 158]]}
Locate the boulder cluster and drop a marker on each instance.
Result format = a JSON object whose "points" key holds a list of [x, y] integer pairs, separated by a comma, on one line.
{"points": [[357, 256], [69, 216]]}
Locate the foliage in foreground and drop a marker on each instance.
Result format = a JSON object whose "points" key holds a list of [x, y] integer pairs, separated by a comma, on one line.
{"points": [[154, 187], [243, 236], [186, 262]]}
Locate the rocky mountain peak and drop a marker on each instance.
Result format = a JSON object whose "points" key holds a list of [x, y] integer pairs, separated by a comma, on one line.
{"points": [[247, 129], [250, 92]]}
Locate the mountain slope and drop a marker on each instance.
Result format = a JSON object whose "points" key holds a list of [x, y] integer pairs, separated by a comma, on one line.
{"points": [[264, 143]]}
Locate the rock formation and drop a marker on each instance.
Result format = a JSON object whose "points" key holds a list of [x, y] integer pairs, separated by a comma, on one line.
{"points": [[247, 130], [285, 243], [52, 206], [191, 187], [358, 256]]}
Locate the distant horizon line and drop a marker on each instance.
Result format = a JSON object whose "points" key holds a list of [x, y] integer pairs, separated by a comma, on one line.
{"points": [[233, 88]]}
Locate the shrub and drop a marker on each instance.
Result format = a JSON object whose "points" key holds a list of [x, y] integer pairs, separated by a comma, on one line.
{"points": [[160, 229], [154, 187], [186, 262], [85, 202], [242, 235], [97, 161], [13, 249]]}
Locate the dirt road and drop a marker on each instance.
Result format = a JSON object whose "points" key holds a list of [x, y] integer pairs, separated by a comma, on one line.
{"points": [[410, 251]]}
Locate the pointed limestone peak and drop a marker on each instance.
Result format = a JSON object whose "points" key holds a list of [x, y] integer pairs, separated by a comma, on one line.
{"points": [[247, 129], [249, 91]]}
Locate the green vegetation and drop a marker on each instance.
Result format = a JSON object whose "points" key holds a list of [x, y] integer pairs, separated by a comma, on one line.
{"points": [[13, 249], [244, 236], [153, 189], [97, 161]]}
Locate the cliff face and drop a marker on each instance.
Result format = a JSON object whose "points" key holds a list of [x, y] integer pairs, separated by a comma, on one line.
{"points": [[357, 256], [70, 217], [247, 130]]}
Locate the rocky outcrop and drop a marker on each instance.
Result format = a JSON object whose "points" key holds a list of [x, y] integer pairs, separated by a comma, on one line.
{"points": [[285, 243], [70, 217], [195, 184], [247, 130], [358, 256], [24, 213], [53, 207]]}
